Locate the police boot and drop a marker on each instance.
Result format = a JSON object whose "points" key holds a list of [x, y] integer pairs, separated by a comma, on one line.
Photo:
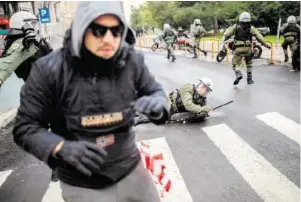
{"points": [[173, 58], [249, 79], [238, 77], [286, 58], [168, 56], [194, 52]]}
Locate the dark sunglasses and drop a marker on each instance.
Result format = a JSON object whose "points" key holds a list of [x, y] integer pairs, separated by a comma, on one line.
{"points": [[100, 30]]}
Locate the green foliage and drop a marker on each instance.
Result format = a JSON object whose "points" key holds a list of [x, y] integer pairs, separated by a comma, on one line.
{"points": [[182, 13]]}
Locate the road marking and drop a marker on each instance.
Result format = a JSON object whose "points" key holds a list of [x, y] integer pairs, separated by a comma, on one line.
{"points": [[282, 124], [178, 191], [266, 180], [53, 193], [7, 116], [4, 175]]}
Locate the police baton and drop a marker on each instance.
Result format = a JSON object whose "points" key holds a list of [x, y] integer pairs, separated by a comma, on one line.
{"points": [[222, 105]]}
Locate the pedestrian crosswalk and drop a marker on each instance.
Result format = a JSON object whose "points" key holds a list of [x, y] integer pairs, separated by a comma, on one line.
{"points": [[270, 184]]}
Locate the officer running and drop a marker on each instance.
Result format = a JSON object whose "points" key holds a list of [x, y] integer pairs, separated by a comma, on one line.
{"points": [[243, 32], [290, 31], [181, 33], [197, 31], [23, 46], [169, 37]]}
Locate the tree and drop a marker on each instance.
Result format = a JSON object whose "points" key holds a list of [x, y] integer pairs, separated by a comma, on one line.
{"points": [[212, 14]]}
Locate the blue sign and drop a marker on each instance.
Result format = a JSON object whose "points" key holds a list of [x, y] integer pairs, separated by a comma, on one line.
{"points": [[44, 15]]}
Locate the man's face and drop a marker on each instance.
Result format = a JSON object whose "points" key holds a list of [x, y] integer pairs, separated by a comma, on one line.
{"points": [[202, 91], [103, 37]]}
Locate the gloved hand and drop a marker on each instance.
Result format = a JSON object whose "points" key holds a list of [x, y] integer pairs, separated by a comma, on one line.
{"points": [[153, 107], [30, 36], [86, 157], [267, 46], [207, 109]]}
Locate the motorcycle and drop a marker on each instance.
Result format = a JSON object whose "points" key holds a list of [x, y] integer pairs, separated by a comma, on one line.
{"points": [[158, 43], [257, 50], [185, 117], [296, 55]]}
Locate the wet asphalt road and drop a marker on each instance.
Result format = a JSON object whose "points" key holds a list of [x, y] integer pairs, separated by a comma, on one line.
{"points": [[208, 174]]}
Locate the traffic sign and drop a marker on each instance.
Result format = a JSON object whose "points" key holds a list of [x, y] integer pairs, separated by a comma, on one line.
{"points": [[44, 15]]}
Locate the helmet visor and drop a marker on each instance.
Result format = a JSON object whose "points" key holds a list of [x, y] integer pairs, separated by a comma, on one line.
{"points": [[32, 21], [203, 89]]}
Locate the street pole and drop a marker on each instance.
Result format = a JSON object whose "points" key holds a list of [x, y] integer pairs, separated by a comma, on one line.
{"points": [[278, 32]]}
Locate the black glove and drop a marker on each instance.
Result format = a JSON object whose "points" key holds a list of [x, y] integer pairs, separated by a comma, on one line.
{"points": [[153, 107], [86, 157], [267, 46], [30, 36]]}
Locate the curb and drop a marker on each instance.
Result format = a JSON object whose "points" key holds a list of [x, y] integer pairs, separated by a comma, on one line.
{"points": [[7, 117]]}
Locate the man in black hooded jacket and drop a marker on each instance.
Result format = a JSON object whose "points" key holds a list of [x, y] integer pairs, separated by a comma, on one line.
{"points": [[85, 93]]}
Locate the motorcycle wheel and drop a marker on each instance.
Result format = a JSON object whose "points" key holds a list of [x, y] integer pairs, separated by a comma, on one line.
{"points": [[220, 56], [257, 51], [296, 58], [154, 46]]}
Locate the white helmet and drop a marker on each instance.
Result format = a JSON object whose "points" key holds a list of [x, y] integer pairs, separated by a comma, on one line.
{"points": [[291, 19], [208, 82], [18, 19], [244, 17], [166, 26], [204, 87], [197, 22]]}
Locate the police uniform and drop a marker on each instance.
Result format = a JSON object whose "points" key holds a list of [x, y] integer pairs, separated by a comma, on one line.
{"points": [[15, 58], [186, 99], [22, 47], [290, 31], [169, 37], [243, 45], [197, 31]]}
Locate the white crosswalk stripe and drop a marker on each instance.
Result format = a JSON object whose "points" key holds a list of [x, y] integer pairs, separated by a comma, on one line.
{"points": [[282, 124], [53, 193], [267, 181], [4, 175]]}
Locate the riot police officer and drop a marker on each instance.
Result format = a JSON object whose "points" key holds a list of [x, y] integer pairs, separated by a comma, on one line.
{"points": [[197, 31], [243, 32], [169, 37], [23, 46], [290, 31], [189, 98], [181, 33]]}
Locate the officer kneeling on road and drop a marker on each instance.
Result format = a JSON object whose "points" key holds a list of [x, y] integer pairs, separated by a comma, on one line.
{"points": [[23, 46], [290, 31], [86, 90], [189, 98], [243, 32]]}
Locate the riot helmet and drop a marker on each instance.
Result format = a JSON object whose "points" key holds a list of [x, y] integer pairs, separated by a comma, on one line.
{"points": [[291, 19], [197, 22], [166, 26], [244, 17], [204, 86], [18, 20]]}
